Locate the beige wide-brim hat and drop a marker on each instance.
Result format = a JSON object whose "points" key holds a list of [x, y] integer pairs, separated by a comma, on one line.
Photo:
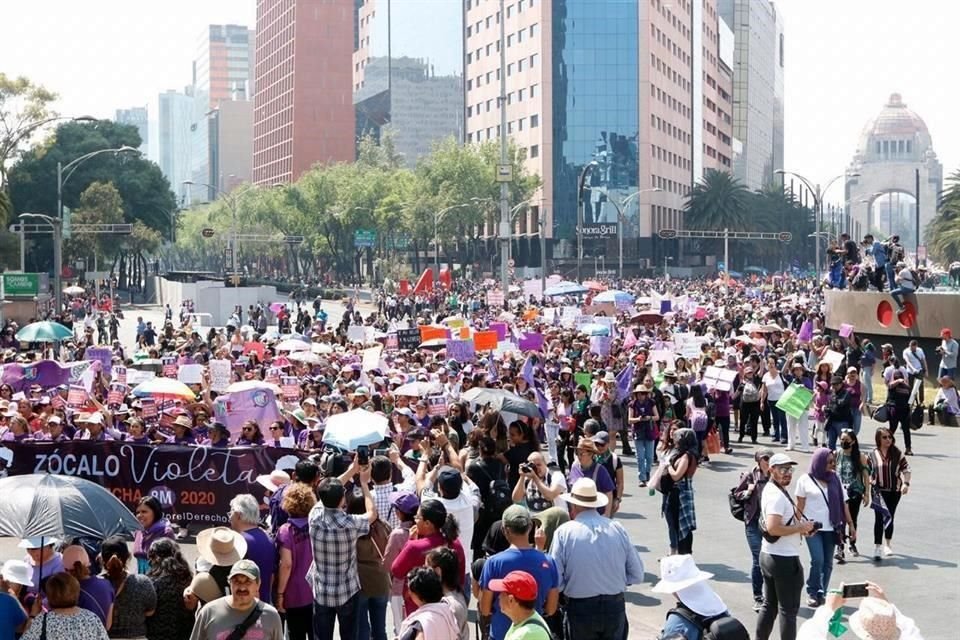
{"points": [[584, 494], [876, 619], [221, 546]]}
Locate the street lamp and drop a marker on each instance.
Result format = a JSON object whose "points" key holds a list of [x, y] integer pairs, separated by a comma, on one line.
{"points": [[818, 194], [57, 225], [590, 166], [621, 219]]}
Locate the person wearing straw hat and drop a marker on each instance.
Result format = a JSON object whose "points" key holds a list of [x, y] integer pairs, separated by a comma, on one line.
{"points": [[218, 549], [876, 618], [699, 610], [597, 562]]}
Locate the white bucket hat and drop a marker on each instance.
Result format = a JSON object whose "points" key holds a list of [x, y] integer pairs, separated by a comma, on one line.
{"points": [[17, 572], [876, 619], [679, 575]]}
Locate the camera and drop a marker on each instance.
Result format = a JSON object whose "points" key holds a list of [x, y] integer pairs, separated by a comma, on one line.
{"points": [[526, 467], [817, 525]]}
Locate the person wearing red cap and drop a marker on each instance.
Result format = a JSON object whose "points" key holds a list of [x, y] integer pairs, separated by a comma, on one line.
{"points": [[948, 350], [518, 600]]}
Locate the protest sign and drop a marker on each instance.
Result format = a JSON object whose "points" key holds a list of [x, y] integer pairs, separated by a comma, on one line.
{"points": [[485, 340], [169, 366], [391, 343], [408, 339], [115, 395], [233, 409], [500, 328], [661, 355], [834, 359], [530, 342], [436, 406], [719, 378], [795, 400], [584, 379], [504, 347], [371, 358], [460, 350], [103, 355], [290, 388], [600, 345], [356, 333], [569, 316], [256, 347], [149, 407], [120, 375], [428, 332], [190, 374], [494, 298], [533, 287], [273, 375], [846, 330], [220, 375], [76, 396]]}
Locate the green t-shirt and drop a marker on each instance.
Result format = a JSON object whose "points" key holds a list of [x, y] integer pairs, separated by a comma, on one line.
{"points": [[529, 629]]}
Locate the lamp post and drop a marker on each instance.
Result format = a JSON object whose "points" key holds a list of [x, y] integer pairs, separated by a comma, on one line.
{"points": [[590, 166], [57, 225], [818, 194], [621, 219]]}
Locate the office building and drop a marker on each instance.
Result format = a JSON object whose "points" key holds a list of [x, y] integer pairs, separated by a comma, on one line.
{"points": [[407, 83], [231, 144], [222, 72], [757, 89], [303, 108], [173, 140], [136, 116]]}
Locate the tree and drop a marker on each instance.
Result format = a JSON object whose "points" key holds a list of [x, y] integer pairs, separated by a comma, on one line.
{"points": [[100, 203], [943, 232], [24, 109], [718, 202]]}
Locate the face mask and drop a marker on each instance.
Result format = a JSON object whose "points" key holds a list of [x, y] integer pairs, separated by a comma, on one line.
{"points": [[266, 500], [846, 445]]}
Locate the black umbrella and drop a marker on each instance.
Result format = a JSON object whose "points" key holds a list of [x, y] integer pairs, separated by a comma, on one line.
{"points": [[501, 401], [47, 505]]}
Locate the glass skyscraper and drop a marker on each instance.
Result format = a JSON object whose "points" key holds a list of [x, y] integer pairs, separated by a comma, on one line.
{"points": [[595, 109]]}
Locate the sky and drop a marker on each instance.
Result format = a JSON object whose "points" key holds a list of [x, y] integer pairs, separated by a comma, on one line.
{"points": [[843, 60]]}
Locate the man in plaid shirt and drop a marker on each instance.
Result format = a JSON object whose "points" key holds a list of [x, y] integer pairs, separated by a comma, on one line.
{"points": [[333, 574]]}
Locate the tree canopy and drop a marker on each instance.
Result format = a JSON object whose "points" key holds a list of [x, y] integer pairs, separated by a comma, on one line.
{"points": [[943, 232]]}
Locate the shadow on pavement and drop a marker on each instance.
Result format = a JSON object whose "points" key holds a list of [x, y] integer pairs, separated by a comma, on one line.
{"points": [[725, 573]]}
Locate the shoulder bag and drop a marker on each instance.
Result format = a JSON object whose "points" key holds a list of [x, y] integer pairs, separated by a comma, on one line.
{"points": [[241, 629]]}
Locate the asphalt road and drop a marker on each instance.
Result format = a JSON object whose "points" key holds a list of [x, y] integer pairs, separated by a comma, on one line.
{"points": [[922, 578]]}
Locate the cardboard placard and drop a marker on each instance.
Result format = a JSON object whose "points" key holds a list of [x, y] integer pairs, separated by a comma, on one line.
{"points": [[120, 375], [290, 388], [833, 358], [485, 340], [494, 298], [584, 379], [76, 396], [436, 406], [115, 395], [532, 341], [371, 358], [795, 400], [846, 330], [169, 366], [408, 339], [220, 375], [719, 378], [500, 328], [356, 333], [391, 343], [462, 351], [149, 406], [273, 375], [190, 373], [428, 332]]}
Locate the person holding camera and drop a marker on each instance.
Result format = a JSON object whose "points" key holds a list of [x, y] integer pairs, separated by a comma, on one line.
{"points": [[538, 486], [820, 496], [782, 526]]}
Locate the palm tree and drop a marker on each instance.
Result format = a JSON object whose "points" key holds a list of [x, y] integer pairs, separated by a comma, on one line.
{"points": [[943, 232], [718, 202]]}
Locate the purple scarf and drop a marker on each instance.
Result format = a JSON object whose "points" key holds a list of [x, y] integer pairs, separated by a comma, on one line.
{"points": [[818, 471], [143, 539]]}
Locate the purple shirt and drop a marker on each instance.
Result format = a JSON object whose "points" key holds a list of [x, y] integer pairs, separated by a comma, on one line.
{"points": [[598, 474], [261, 550], [295, 536], [96, 595]]}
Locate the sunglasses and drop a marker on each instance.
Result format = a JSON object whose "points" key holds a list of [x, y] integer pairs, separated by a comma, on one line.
{"points": [[247, 430], [886, 437], [276, 428]]}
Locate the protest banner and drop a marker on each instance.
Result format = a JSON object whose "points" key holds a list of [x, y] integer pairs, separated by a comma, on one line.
{"points": [[193, 484], [408, 339], [290, 387], [103, 355], [485, 340], [530, 342], [436, 406], [600, 345], [46, 373], [233, 409], [190, 373], [169, 368], [220, 375], [462, 351], [795, 400]]}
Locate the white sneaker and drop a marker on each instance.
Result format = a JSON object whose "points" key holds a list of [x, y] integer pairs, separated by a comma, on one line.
{"points": [[887, 551], [789, 447], [877, 552]]}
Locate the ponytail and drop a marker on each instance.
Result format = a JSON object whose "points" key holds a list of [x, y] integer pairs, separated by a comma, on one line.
{"points": [[450, 529]]}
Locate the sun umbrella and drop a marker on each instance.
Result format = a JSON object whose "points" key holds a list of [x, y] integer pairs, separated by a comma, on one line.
{"points": [[502, 401], [771, 328], [615, 296], [595, 329], [164, 388], [295, 336], [647, 317], [293, 345], [74, 290], [248, 385], [355, 428], [751, 327], [417, 389], [44, 332], [307, 357], [321, 348], [506, 316], [564, 288], [275, 307], [43, 504]]}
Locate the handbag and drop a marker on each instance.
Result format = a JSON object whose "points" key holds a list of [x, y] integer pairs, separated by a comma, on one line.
{"points": [[738, 508], [881, 413], [713, 442], [916, 417]]}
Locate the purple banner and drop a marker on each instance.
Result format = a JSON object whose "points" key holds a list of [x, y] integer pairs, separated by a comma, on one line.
{"points": [[531, 342], [501, 329], [46, 373], [103, 355], [234, 409]]}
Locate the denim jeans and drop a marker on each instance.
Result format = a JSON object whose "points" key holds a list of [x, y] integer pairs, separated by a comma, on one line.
{"points": [[782, 586], [833, 432], [868, 381], [897, 294], [779, 422], [821, 546], [754, 540], [325, 617], [596, 618], [644, 450], [372, 617]]}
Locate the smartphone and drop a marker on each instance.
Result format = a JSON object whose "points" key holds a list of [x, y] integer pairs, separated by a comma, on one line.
{"points": [[381, 452], [363, 455], [855, 590]]}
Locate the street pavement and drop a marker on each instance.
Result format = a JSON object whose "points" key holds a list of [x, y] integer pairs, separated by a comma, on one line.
{"points": [[922, 578]]}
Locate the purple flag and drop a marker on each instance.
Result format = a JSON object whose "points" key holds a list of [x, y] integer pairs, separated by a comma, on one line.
{"points": [[234, 409], [527, 371], [542, 402], [46, 373], [624, 380], [531, 342]]}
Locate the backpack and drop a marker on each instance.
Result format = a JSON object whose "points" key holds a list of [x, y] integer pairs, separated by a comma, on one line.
{"points": [[699, 420], [499, 496], [750, 392], [721, 627], [379, 535], [738, 508]]}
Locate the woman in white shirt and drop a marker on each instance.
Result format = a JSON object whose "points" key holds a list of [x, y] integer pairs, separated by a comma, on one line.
{"points": [[773, 387], [820, 497]]}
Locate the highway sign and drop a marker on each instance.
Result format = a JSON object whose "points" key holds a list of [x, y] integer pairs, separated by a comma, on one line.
{"points": [[785, 236], [364, 238], [207, 233], [293, 239], [667, 234]]}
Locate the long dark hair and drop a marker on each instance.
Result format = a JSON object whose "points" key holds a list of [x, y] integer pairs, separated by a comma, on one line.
{"points": [[115, 554], [893, 454], [696, 392], [167, 560], [434, 512], [855, 459]]}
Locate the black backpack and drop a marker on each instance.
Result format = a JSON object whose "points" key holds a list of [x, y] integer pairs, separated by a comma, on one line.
{"points": [[721, 627], [499, 496]]}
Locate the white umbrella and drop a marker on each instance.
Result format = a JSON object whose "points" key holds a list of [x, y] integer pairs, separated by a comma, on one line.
{"points": [[304, 356], [293, 345], [74, 290], [355, 428], [321, 348], [247, 385], [417, 389]]}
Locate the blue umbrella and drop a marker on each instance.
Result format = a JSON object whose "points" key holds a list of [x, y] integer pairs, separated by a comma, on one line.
{"points": [[565, 288], [595, 329], [615, 296], [44, 332]]}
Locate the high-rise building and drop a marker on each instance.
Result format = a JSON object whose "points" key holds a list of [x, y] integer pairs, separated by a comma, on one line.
{"points": [[625, 93], [405, 82], [222, 71], [136, 116], [172, 141], [757, 89], [231, 144], [303, 108]]}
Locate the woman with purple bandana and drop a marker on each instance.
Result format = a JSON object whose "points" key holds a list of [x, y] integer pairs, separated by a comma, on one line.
{"points": [[149, 514], [820, 498]]}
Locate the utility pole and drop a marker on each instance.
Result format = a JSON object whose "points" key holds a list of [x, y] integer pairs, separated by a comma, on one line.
{"points": [[506, 230]]}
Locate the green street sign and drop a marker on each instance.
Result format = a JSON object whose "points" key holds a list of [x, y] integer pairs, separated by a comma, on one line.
{"points": [[400, 242], [364, 238], [21, 284], [67, 228]]}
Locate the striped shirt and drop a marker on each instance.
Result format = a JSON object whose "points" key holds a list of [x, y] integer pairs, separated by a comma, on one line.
{"points": [[886, 476]]}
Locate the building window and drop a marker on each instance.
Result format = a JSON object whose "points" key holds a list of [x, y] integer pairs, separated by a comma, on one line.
{"points": [[469, 111], [469, 85], [487, 50], [520, 36], [534, 121], [533, 87], [469, 28], [533, 60], [469, 57], [510, 40], [535, 151], [520, 65], [520, 124], [509, 69], [533, 30], [509, 11], [908, 146]]}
